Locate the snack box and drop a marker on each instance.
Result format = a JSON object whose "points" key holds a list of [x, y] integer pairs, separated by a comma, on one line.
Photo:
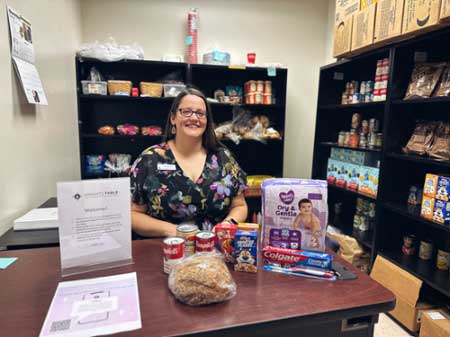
{"points": [[430, 185], [368, 180], [441, 212], [289, 258], [332, 168], [353, 176], [342, 174], [443, 188], [427, 208], [339, 154], [225, 233], [247, 226], [363, 158], [246, 251]]}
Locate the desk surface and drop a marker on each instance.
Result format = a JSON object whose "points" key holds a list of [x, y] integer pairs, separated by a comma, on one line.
{"points": [[262, 299]]}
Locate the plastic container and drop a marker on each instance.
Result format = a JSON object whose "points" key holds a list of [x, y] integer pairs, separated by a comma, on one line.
{"points": [[94, 88], [173, 89]]}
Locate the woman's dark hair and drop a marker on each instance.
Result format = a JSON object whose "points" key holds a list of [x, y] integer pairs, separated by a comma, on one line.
{"points": [[209, 140]]}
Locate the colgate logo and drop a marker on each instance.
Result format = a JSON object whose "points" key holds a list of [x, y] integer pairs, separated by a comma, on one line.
{"points": [[281, 258], [287, 198]]}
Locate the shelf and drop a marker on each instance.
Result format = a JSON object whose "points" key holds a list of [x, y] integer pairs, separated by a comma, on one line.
{"points": [[351, 192], [418, 159], [248, 106], [126, 98], [141, 137], [138, 62], [432, 100], [330, 144], [413, 213], [265, 142], [425, 270], [352, 106]]}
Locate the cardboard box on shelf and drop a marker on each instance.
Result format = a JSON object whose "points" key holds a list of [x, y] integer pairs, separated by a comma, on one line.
{"points": [[418, 15], [435, 323], [427, 209], [345, 9], [388, 20], [363, 28], [406, 287], [342, 37], [444, 15], [368, 180]]}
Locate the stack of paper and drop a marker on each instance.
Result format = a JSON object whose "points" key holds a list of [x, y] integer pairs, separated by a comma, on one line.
{"points": [[38, 218]]}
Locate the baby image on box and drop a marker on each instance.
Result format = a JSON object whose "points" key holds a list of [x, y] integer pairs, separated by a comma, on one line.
{"points": [[308, 223]]}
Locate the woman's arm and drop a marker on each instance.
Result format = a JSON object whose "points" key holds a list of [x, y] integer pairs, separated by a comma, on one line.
{"points": [[238, 209], [146, 225]]}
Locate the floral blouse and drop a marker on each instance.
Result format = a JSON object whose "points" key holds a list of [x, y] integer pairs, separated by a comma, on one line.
{"points": [[159, 182]]}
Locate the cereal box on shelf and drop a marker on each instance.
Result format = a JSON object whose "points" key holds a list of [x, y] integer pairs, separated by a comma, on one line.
{"points": [[427, 208], [443, 188], [353, 176], [430, 185], [246, 251], [332, 171], [441, 212], [225, 233], [294, 211], [368, 180], [342, 174]]}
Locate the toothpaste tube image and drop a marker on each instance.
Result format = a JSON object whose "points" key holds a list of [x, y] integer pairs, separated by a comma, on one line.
{"points": [[289, 258]]}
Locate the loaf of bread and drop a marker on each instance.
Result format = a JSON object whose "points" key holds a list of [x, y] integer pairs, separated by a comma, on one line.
{"points": [[202, 279]]}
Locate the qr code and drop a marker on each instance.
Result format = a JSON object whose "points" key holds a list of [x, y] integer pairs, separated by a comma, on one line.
{"points": [[60, 325]]}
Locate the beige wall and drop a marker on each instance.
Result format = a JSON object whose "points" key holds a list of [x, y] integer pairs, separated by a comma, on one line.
{"points": [[290, 32], [329, 35], [39, 144]]}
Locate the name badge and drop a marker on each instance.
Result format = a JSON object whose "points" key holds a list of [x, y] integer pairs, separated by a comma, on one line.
{"points": [[166, 167]]}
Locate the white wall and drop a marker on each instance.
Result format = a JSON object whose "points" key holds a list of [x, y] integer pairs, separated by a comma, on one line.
{"points": [[39, 145], [292, 32]]}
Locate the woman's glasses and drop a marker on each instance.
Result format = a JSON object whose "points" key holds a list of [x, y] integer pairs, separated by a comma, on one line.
{"points": [[186, 112]]}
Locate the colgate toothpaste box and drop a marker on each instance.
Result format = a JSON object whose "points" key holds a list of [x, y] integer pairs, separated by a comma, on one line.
{"points": [[288, 258], [225, 233], [246, 251]]}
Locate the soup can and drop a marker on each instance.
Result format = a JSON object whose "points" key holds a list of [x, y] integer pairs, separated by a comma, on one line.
{"points": [[341, 138], [205, 242], [260, 86], [409, 244], [267, 98], [188, 232], [443, 259], [173, 249], [268, 87], [426, 249], [258, 98]]}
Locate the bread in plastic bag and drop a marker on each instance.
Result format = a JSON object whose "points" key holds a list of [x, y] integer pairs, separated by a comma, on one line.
{"points": [[202, 278]]}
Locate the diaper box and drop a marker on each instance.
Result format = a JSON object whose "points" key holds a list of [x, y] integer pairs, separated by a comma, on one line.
{"points": [[294, 213], [430, 185], [441, 212], [443, 188], [427, 208], [246, 251]]}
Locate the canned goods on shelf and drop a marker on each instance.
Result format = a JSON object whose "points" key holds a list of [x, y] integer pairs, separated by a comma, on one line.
{"points": [[260, 86], [268, 87], [443, 259], [267, 98], [426, 249], [258, 98]]}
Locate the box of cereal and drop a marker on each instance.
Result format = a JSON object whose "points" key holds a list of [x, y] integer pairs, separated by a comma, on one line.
{"points": [[294, 213], [246, 251], [443, 188]]}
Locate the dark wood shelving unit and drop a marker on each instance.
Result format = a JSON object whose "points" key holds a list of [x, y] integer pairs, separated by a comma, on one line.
{"points": [[351, 192], [363, 149], [398, 171]]}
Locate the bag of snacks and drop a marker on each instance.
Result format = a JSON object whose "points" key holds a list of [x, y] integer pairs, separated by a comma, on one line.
{"points": [[106, 130], [424, 79], [151, 130], [202, 278], [443, 88], [128, 129], [441, 145], [421, 139]]}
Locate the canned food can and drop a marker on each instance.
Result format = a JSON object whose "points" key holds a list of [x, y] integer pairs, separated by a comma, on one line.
{"points": [[204, 242], [363, 140], [364, 126], [267, 98], [258, 97], [341, 138], [374, 125], [356, 221], [372, 140], [250, 98], [260, 86], [356, 120], [362, 90], [344, 98], [379, 140], [426, 249], [354, 139], [409, 244], [356, 98], [188, 232], [268, 87], [443, 259], [363, 223], [250, 86], [347, 139], [173, 250]]}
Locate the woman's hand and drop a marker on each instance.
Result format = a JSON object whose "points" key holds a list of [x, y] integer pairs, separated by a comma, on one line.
{"points": [[145, 225]]}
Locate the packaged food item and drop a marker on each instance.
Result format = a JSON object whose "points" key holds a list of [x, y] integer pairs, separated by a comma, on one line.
{"points": [[173, 249], [247, 226], [188, 232], [95, 164], [118, 163], [443, 188], [127, 129], [443, 88], [409, 244], [426, 249], [443, 259], [421, 139], [289, 258], [440, 149], [356, 121], [415, 196], [225, 233], [441, 212], [291, 207], [430, 185], [151, 130], [205, 241], [353, 176], [424, 79], [202, 279], [246, 251], [106, 130], [342, 174], [368, 180], [427, 208], [332, 169]]}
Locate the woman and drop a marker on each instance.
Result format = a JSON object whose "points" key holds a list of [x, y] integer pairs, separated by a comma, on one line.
{"points": [[188, 178]]}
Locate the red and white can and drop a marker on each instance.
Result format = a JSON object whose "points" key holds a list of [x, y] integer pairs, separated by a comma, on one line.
{"points": [[188, 231], [268, 87], [173, 252], [260, 86], [267, 98], [258, 98], [250, 98], [205, 242], [250, 86]]}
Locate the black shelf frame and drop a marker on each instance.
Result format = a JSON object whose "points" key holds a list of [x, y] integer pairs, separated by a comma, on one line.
{"points": [[362, 149], [398, 171]]}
